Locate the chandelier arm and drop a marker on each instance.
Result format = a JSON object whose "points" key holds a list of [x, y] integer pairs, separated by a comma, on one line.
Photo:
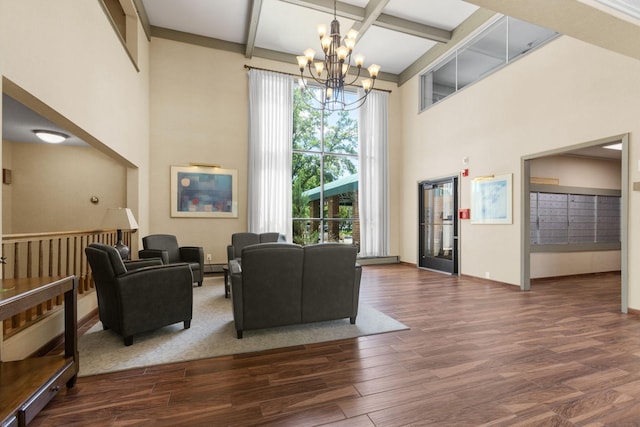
{"points": [[355, 78], [317, 79]]}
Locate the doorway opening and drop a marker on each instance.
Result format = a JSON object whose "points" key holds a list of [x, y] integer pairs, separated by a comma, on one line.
{"points": [[438, 225], [588, 169]]}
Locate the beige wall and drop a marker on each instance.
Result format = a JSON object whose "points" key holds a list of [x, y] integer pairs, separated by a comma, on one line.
{"points": [[65, 57], [199, 114], [582, 172], [563, 94], [52, 187], [79, 69]]}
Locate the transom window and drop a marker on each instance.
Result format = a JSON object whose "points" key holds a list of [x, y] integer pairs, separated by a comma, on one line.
{"points": [[497, 45]]}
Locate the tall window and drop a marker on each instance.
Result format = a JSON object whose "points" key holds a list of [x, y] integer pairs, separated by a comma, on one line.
{"points": [[324, 173]]}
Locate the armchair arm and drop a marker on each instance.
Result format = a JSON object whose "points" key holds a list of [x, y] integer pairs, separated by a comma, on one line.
{"points": [[154, 253], [192, 254], [136, 264], [231, 253]]}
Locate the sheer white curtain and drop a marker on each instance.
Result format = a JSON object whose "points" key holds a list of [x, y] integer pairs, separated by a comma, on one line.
{"points": [[373, 185], [270, 135]]}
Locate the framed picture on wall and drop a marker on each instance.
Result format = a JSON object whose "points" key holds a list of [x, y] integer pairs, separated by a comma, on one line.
{"points": [[204, 192], [491, 200]]}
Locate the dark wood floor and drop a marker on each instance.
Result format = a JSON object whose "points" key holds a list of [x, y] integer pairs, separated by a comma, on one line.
{"points": [[478, 353]]}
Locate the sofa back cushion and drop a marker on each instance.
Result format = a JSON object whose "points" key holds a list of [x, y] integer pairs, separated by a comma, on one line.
{"points": [[271, 291], [328, 282]]}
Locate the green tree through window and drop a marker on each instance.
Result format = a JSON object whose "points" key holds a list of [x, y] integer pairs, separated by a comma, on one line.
{"points": [[324, 145]]}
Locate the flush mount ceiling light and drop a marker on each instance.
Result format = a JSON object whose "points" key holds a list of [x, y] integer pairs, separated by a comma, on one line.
{"points": [[331, 73], [52, 137], [617, 146]]}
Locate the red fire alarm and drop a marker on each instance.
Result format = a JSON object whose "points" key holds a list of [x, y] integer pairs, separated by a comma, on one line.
{"points": [[464, 213], [465, 172]]}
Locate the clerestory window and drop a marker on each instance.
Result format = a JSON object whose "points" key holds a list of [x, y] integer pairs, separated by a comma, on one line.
{"points": [[497, 45]]}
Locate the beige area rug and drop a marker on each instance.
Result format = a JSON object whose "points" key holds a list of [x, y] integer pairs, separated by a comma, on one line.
{"points": [[212, 334]]}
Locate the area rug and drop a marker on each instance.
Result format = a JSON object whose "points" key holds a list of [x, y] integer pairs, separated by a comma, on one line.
{"points": [[212, 334]]}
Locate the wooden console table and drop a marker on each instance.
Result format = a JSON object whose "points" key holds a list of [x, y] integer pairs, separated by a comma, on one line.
{"points": [[26, 386]]}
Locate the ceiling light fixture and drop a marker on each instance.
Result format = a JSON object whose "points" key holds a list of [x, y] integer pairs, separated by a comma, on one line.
{"points": [[52, 137], [331, 73], [617, 146]]}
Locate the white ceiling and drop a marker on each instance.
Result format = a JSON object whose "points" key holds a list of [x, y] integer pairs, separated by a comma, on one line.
{"points": [[289, 26], [398, 35]]}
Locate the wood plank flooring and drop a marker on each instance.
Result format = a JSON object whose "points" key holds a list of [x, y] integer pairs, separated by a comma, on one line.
{"points": [[478, 353]]}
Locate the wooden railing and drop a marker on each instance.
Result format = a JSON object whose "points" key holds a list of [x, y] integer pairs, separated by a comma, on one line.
{"points": [[50, 254]]}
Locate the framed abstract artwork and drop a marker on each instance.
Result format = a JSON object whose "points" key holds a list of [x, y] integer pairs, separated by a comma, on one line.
{"points": [[491, 200], [204, 192]]}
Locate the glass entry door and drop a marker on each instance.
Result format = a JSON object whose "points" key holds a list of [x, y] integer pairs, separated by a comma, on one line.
{"points": [[439, 225]]}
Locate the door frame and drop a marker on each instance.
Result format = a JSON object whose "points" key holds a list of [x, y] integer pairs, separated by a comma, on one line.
{"points": [[525, 207], [457, 250]]}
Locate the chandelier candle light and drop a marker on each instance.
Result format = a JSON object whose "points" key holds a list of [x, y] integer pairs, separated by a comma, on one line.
{"points": [[331, 73]]}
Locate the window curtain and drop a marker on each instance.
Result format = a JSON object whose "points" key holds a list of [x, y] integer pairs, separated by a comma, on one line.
{"points": [[373, 185], [270, 141]]}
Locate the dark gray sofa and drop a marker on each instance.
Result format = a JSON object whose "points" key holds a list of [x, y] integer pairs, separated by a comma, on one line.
{"points": [[279, 284]]}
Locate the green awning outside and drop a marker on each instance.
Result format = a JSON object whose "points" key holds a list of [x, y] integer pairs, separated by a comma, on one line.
{"points": [[346, 184]]}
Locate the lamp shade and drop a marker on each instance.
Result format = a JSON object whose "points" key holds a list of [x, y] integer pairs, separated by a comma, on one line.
{"points": [[119, 218]]}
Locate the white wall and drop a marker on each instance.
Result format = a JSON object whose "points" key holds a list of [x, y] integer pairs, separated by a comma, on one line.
{"points": [[199, 114], [563, 94]]}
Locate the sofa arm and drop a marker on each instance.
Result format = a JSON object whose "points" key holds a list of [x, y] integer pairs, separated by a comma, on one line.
{"points": [[192, 254], [235, 270], [356, 293], [154, 253]]}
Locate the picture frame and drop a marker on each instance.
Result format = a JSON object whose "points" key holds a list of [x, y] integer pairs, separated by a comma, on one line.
{"points": [[204, 192], [491, 199]]}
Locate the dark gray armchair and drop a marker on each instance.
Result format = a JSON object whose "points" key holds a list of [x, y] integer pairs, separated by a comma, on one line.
{"points": [[139, 296], [241, 240], [165, 247]]}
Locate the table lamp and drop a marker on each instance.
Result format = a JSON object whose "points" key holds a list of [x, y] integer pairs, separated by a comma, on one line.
{"points": [[120, 219]]}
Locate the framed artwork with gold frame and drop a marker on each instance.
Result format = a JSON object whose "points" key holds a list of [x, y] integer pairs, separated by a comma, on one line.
{"points": [[204, 192]]}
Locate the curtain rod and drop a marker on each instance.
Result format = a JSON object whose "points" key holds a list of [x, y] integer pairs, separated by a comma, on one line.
{"points": [[250, 67]]}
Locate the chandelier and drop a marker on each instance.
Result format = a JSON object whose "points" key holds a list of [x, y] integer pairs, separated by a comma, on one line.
{"points": [[331, 73]]}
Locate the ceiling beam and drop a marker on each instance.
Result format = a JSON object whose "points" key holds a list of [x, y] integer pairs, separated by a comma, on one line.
{"points": [[371, 13], [479, 18], [344, 10], [252, 28], [374, 13], [413, 28]]}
